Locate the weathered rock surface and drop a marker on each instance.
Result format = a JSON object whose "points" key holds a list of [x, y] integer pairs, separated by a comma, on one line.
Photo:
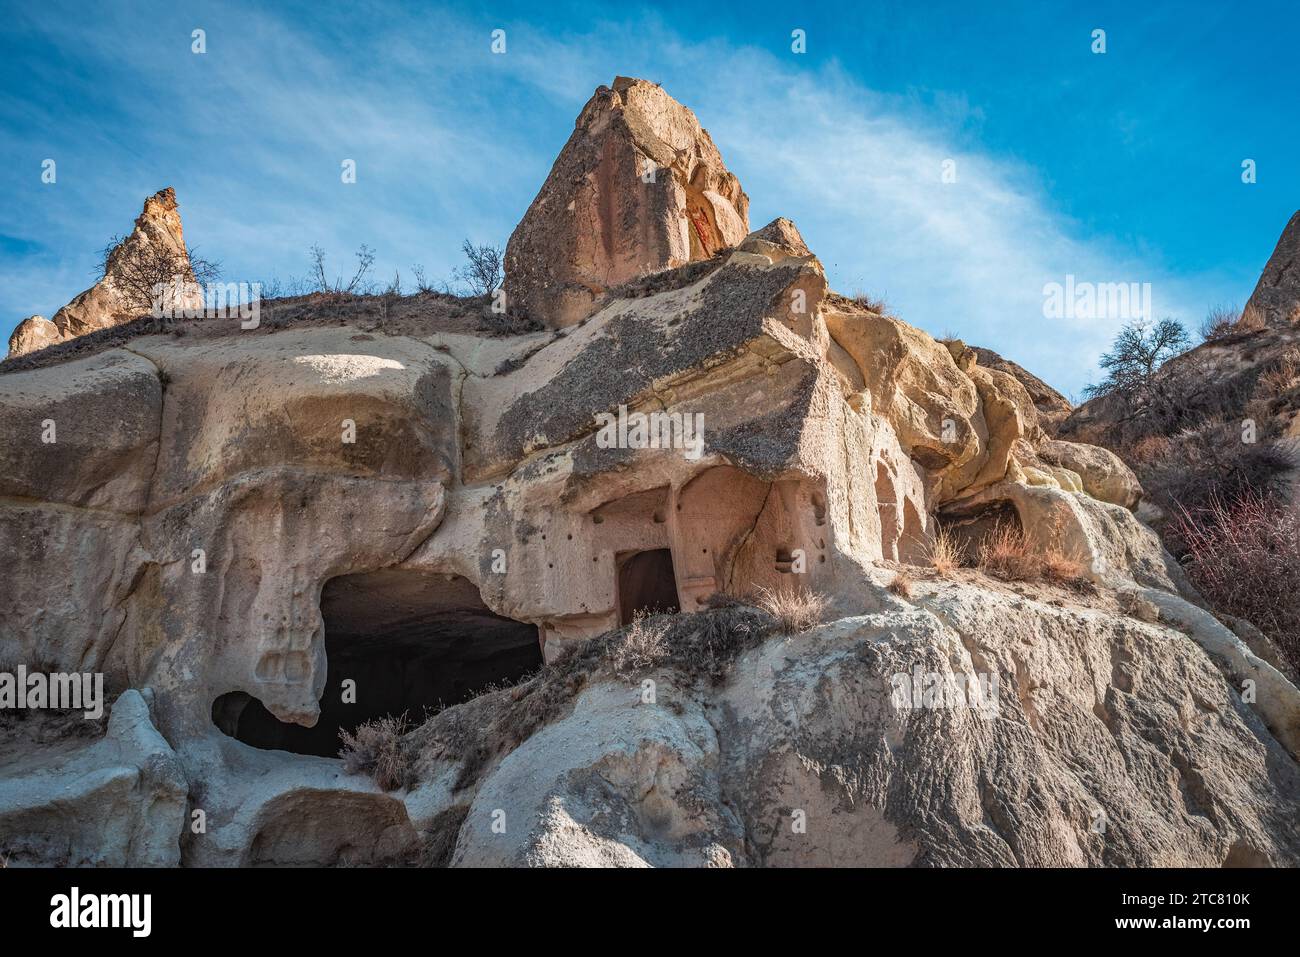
{"points": [[721, 427], [1052, 407], [1276, 298], [638, 188], [1099, 740], [34, 332], [116, 801]]}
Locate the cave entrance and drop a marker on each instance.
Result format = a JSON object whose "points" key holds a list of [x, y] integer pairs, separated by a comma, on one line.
{"points": [[410, 641], [971, 528], [646, 583]]}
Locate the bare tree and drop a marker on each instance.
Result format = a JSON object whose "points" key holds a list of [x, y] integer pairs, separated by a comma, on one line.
{"points": [[1136, 354], [484, 270], [139, 269]]}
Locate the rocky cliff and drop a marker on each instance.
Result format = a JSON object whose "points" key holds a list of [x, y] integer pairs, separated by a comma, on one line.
{"points": [[263, 537]]}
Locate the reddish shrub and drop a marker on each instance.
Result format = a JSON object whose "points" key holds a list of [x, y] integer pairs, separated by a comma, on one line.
{"points": [[1244, 556]]}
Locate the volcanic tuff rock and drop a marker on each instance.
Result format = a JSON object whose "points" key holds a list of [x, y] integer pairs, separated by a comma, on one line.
{"points": [[218, 510], [155, 239], [1277, 294], [638, 188]]}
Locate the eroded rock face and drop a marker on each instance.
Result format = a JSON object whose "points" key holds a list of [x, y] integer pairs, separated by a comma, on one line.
{"points": [[34, 332], [808, 755], [1051, 406], [152, 253], [638, 188], [1276, 298], [722, 427], [115, 801]]}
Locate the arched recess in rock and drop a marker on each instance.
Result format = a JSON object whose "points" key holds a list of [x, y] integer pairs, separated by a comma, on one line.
{"points": [[406, 641], [971, 525]]}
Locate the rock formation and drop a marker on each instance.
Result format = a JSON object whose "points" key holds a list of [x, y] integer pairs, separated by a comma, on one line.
{"points": [[153, 253], [241, 523], [638, 188], [1276, 299]]}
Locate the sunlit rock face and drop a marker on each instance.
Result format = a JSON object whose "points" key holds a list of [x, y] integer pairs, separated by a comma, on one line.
{"points": [[638, 188], [241, 523]]}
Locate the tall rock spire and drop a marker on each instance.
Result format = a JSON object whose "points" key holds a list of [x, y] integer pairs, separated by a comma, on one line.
{"points": [[639, 187]]}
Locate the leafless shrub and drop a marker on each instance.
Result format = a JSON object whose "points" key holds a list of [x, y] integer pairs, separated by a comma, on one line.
{"points": [[795, 609], [320, 276], [1244, 556], [1213, 462], [422, 283], [1219, 323], [375, 748], [507, 322], [643, 645], [484, 268]]}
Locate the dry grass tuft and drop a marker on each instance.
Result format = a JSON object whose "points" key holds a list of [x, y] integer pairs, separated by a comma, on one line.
{"points": [[945, 554], [795, 609], [871, 303], [1063, 570], [902, 585], [1004, 553], [375, 748], [1252, 320], [1280, 377]]}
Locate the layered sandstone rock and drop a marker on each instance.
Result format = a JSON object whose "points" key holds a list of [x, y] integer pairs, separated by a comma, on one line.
{"points": [[153, 253], [638, 188], [1052, 407]]}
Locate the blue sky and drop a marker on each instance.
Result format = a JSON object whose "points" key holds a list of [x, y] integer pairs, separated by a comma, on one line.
{"points": [[1115, 167]]}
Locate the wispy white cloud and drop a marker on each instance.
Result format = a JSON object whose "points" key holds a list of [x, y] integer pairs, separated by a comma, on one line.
{"points": [[452, 141]]}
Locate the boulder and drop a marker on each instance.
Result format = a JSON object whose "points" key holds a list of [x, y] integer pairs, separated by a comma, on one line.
{"points": [[34, 332], [1104, 474], [115, 801]]}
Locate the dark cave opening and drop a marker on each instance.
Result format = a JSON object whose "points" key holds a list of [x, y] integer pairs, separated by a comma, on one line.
{"points": [[408, 641], [646, 583]]}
